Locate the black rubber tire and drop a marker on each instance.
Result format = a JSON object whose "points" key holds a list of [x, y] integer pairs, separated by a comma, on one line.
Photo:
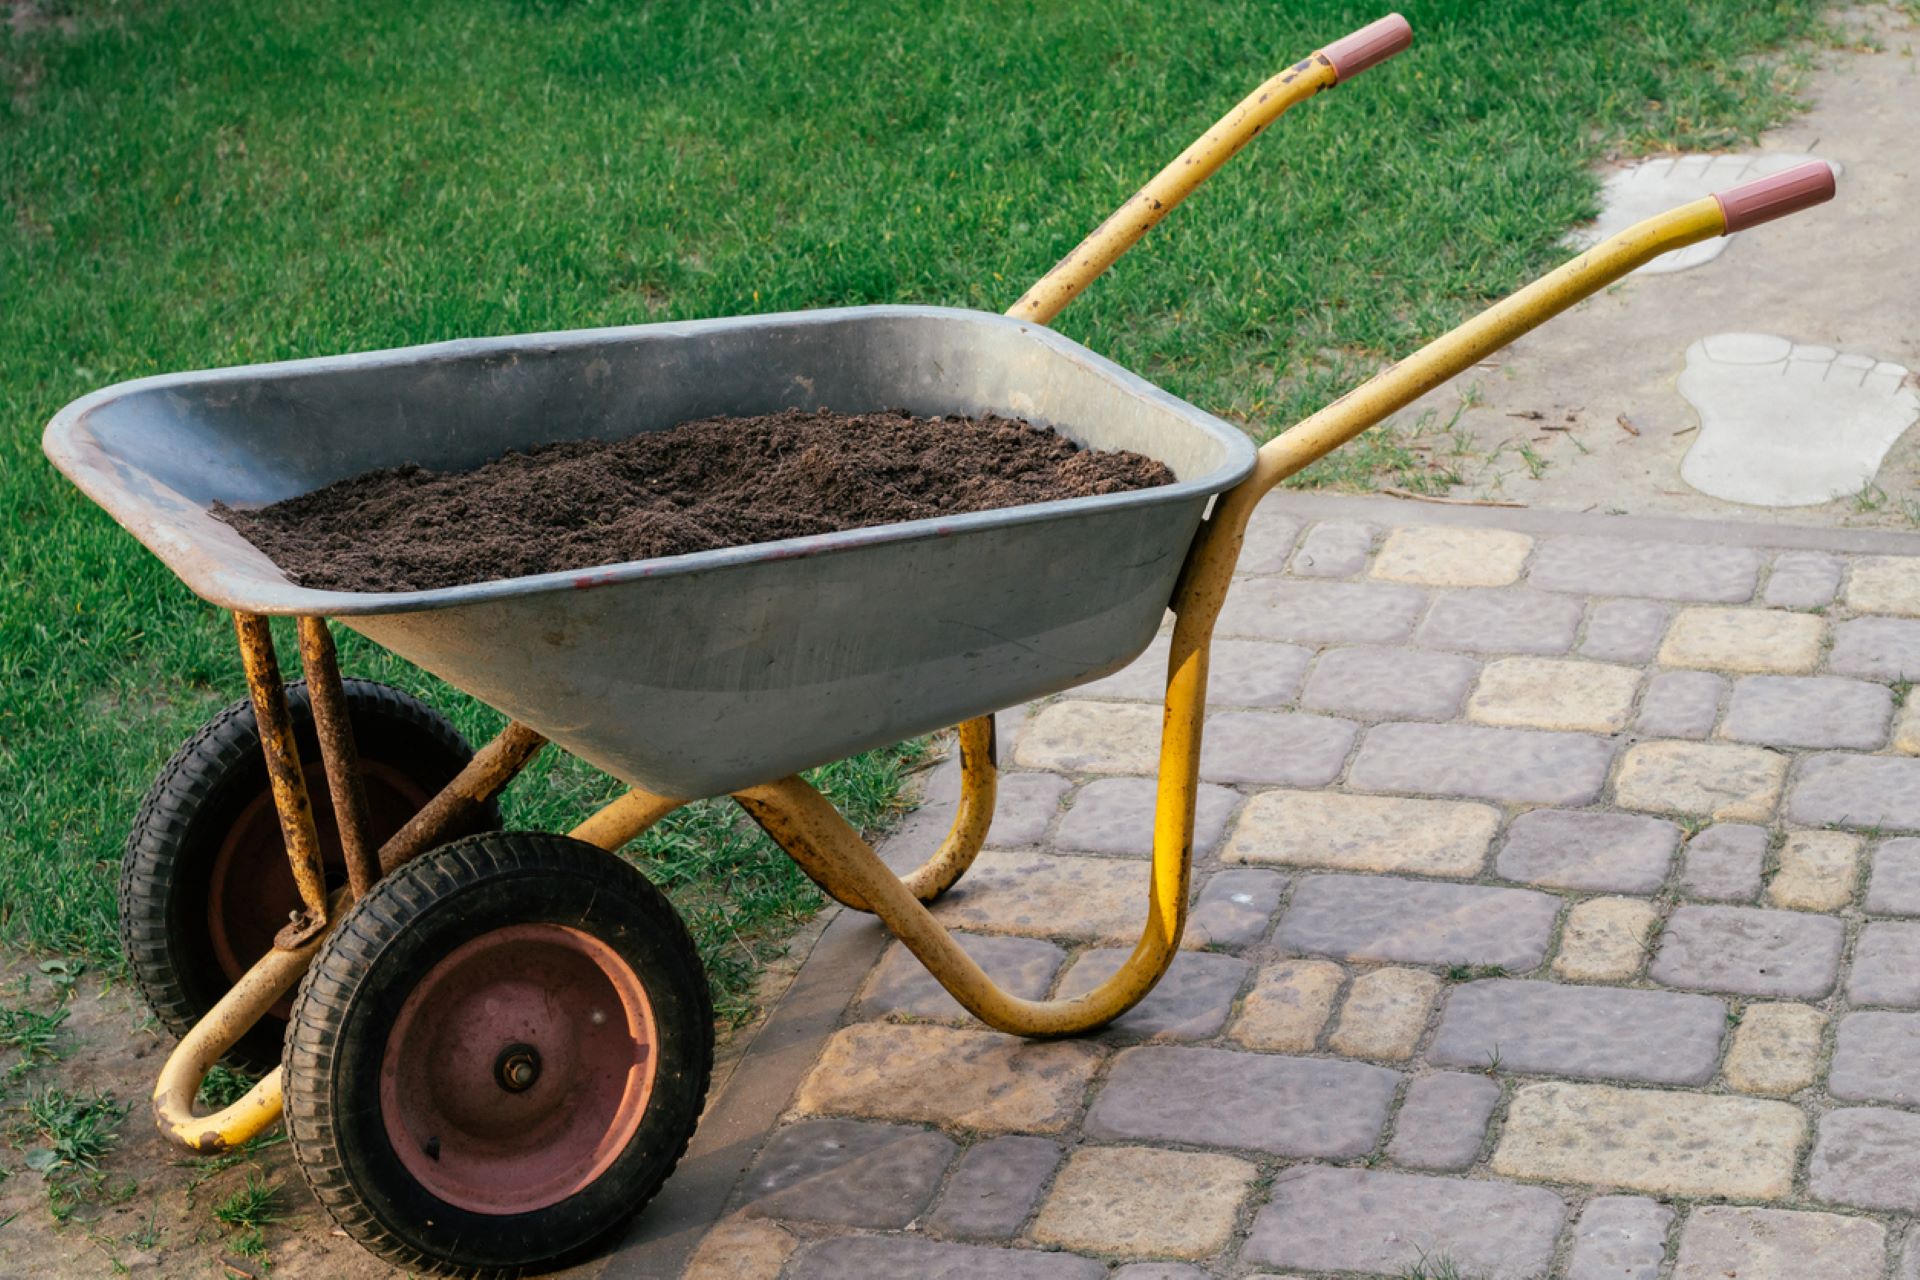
{"points": [[166, 874], [362, 976]]}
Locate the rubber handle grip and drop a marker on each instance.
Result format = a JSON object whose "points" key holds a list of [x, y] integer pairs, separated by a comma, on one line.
{"points": [[1776, 195], [1369, 46]]}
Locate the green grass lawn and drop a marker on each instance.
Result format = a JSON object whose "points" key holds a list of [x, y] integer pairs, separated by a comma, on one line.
{"points": [[190, 185]]}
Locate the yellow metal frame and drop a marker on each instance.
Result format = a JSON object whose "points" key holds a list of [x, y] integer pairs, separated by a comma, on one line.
{"points": [[799, 818]]}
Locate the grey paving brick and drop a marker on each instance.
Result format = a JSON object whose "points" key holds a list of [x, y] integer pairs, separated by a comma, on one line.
{"points": [[1867, 1158], [891, 1257], [1658, 570], [1724, 863], [1511, 766], [1809, 711], [1390, 683], [1910, 1258], [1334, 549], [1724, 1241], [1857, 791], [1023, 808], [1191, 1002], [853, 1172], [1158, 1271], [1235, 907], [1501, 620], [1894, 887], [1599, 1033], [1886, 966], [1240, 673], [1876, 648], [1321, 612], [1270, 539], [1680, 704], [901, 984], [1280, 748], [1750, 952], [1248, 1101], [1115, 815], [1443, 1121], [1803, 580], [1383, 1223], [1614, 852], [994, 1187], [1418, 922], [1876, 1058], [1620, 1238], [1625, 630]]}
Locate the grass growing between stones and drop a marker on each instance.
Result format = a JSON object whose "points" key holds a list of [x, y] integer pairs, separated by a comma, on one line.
{"points": [[193, 185]]}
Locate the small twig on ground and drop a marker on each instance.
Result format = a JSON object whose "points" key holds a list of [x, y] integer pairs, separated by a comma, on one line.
{"points": [[1392, 492], [1626, 425]]}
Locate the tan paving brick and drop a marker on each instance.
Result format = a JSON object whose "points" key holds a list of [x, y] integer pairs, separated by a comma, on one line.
{"points": [[1720, 781], [1548, 693], [1093, 737], [1045, 895], [1885, 584], [1289, 1004], [943, 1075], [1761, 640], [1818, 871], [1906, 727], [1364, 833], [1452, 557], [741, 1249], [1605, 940], [1385, 1013], [1145, 1201], [1776, 1049]]}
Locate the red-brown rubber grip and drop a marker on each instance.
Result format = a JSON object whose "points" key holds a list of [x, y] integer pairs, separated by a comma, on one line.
{"points": [[1369, 46], [1776, 195]]}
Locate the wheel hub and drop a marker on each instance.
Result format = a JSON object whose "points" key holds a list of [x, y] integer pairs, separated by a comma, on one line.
{"points": [[517, 1068]]}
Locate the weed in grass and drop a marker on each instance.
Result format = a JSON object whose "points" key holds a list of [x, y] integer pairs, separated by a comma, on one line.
{"points": [[1474, 972], [32, 1033], [1440, 1268], [251, 1207], [75, 1130], [223, 1087], [1901, 688]]}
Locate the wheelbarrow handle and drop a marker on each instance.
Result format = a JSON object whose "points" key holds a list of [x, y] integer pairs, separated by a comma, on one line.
{"points": [[1776, 195], [1342, 60]]}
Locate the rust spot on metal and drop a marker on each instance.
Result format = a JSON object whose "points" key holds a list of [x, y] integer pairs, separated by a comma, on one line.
{"points": [[284, 776], [452, 811], [341, 758]]}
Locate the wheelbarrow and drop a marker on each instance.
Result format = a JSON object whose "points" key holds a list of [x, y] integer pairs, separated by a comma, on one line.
{"points": [[502, 1041]]}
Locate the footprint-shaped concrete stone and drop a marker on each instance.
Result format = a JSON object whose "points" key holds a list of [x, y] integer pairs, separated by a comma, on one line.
{"points": [[1654, 186], [1785, 424]]}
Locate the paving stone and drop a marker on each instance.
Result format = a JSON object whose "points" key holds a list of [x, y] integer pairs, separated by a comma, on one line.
{"points": [[1886, 966], [1046, 895], [1418, 922], [1191, 1001], [994, 1187], [943, 1075], [741, 1249], [1115, 815], [1657, 1141], [1334, 549], [1680, 704], [1654, 1037], [1605, 940], [1551, 693], [1383, 683], [901, 984], [1321, 612], [1289, 1003], [1506, 621], [1385, 1013], [1885, 584], [1803, 580], [1818, 871], [1443, 1121], [1360, 1220], [1143, 1200], [891, 1257], [1621, 852], [1363, 833], [1510, 766], [1776, 1244], [1876, 648], [1312, 1107], [1023, 809], [1660, 570], [1625, 630], [1906, 728], [1876, 1058], [1235, 908], [1910, 1260], [1876, 792], [1893, 889], [1714, 779], [1093, 737], [1750, 952], [1809, 711], [1158, 1271], [1270, 539], [1240, 673], [1758, 640], [1776, 1049], [1867, 1158], [1620, 1238], [1286, 749], [1450, 556], [1724, 863], [852, 1172]]}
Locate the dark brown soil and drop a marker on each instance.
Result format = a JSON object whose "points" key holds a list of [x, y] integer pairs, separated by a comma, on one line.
{"points": [[718, 482]]}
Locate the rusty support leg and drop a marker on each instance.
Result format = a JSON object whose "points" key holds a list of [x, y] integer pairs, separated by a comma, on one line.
{"points": [[338, 753], [460, 801], [289, 785]]}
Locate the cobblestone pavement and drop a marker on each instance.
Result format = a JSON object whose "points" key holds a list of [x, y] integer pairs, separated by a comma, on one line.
{"points": [[1557, 914]]}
